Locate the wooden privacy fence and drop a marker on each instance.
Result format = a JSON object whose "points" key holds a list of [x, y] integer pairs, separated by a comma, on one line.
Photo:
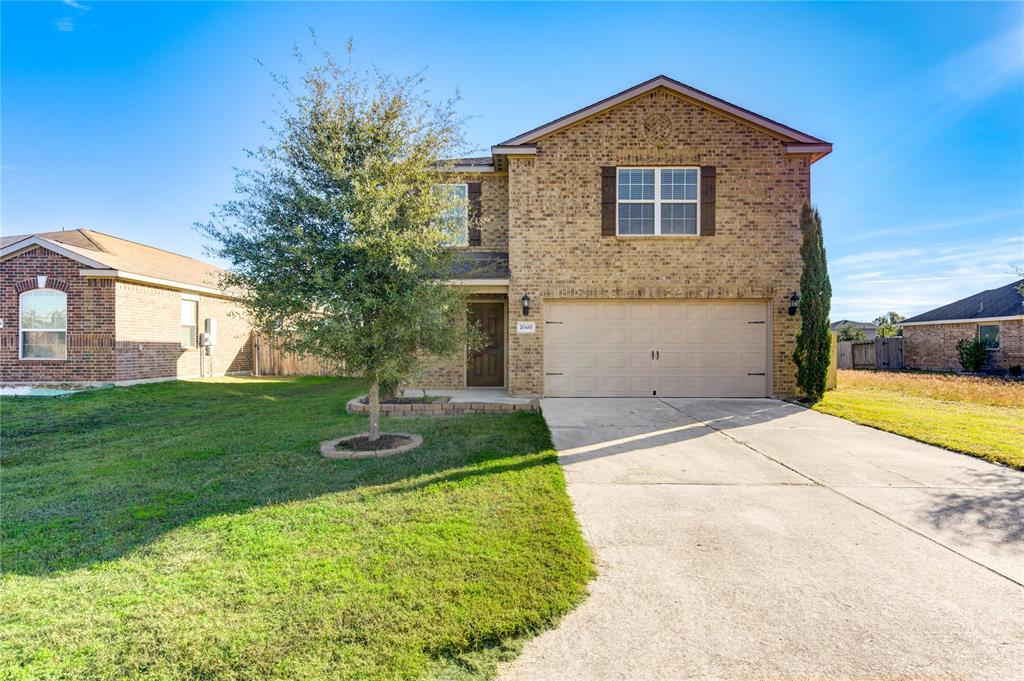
{"points": [[269, 360], [880, 353]]}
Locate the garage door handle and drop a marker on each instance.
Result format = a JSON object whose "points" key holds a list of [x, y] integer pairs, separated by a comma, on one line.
{"points": [[652, 354], [657, 354], [760, 322], [760, 374]]}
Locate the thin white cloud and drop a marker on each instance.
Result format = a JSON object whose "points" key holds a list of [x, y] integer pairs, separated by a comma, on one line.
{"points": [[914, 280], [935, 226], [65, 24], [76, 5]]}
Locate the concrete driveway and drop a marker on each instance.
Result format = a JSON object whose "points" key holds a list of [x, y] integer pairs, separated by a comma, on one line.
{"points": [[753, 539]]}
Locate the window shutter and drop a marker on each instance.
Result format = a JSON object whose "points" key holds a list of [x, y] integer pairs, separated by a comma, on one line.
{"points": [[473, 190], [607, 200], [707, 200]]}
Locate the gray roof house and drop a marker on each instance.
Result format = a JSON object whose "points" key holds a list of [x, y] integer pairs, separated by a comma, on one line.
{"points": [[867, 327], [997, 315]]}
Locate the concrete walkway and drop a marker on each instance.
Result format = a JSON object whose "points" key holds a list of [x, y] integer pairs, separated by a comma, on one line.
{"points": [[753, 539]]}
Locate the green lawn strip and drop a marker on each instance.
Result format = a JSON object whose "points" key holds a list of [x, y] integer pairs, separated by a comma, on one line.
{"points": [[189, 530], [988, 432]]}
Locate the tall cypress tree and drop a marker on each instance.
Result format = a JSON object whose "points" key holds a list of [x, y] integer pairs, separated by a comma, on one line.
{"points": [[812, 342]]}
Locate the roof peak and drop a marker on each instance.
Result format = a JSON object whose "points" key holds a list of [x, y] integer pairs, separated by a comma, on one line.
{"points": [[661, 80]]}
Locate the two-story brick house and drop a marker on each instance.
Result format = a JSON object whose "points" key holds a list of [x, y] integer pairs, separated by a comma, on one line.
{"points": [[647, 244]]}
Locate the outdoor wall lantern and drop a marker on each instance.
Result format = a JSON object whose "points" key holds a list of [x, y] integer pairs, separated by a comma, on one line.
{"points": [[526, 305], [793, 300]]}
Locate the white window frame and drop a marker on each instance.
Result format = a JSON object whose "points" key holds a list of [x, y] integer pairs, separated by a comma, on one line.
{"points": [[463, 238], [194, 301], [21, 330], [658, 201], [995, 324]]}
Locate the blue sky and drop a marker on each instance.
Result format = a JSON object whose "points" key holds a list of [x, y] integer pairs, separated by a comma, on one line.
{"points": [[129, 117]]}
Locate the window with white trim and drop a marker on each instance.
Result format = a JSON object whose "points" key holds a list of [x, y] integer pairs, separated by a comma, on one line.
{"points": [[457, 217], [43, 324], [658, 201], [989, 333], [189, 322]]}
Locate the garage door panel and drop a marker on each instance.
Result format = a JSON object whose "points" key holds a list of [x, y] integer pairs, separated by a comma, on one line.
{"points": [[699, 348], [558, 334]]}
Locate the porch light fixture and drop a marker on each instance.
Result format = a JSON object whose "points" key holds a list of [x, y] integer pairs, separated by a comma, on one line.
{"points": [[526, 304], [793, 300]]}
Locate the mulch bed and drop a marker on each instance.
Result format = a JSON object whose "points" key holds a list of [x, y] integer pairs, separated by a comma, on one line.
{"points": [[363, 444]]}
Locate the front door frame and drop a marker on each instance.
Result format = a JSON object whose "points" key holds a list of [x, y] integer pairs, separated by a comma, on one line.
{"points": [[504, 340]]}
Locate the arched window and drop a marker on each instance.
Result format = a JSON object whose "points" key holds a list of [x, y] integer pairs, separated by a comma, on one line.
{"points": [[44, 324]]}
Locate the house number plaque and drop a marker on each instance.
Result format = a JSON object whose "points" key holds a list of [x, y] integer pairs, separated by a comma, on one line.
{"points": [[526, 327]]}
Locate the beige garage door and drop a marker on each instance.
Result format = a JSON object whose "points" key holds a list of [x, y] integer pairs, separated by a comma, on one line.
{"points": [[632, 348]]}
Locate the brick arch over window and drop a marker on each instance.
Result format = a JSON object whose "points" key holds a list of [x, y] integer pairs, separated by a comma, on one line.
{"points": [[41, 282]]}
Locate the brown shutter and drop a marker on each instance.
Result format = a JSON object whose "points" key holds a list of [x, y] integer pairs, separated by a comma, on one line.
{"points": [[607, 200], [473, 190], [707, 200]]}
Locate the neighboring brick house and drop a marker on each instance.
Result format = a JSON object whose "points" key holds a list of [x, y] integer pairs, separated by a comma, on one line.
{"points": [[997, 315], [647, 244], [83, 306]]}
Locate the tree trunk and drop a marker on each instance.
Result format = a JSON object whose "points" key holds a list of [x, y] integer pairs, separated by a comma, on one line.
{"points": [[374, 411]]}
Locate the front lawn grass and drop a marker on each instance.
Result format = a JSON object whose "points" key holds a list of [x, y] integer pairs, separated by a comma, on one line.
{"points": [[192, 530], [983, 417]]}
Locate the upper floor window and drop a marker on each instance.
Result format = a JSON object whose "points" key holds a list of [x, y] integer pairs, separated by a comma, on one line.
{"points": [[43, 324], [658, 201], [458, 215], [990, 334], [189, 322]]}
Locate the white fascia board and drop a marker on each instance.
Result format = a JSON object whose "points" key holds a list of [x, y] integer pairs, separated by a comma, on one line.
{"points": [[473, 169], [20, 247], [703, 98], [510, 150], [977, 320], [477, 282], [155, 281]]}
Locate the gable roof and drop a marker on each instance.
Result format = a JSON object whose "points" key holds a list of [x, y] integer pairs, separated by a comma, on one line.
{"points": [[99, 251], [814, 145], [1003, 302]]}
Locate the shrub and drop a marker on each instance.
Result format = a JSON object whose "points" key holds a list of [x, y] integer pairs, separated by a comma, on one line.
{"points": [[972, 353], [1015, 371]]}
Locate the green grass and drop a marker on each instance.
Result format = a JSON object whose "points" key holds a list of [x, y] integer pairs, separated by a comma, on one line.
{"points": [[192, 530], [983, 417]]}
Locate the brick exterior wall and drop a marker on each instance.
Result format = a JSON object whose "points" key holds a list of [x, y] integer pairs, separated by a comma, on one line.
{"points": [[493, 210], [933, 346], [149, 332], [556, 249], [117, 331], [90, 330]]}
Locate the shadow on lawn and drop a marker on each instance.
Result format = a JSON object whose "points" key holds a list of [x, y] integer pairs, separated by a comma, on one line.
{"points": [[89, 479]]}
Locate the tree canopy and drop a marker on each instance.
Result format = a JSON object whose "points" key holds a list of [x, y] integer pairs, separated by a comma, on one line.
{"points": [[336, 241]]}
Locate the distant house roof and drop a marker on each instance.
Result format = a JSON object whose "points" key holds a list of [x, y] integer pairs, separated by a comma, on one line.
{"points": [[856, 325], [1003, 302], [99, 251]]}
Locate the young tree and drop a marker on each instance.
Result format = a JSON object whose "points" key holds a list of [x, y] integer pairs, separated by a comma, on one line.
{"points": [[813, 344], [888, 325], [850, 333], [336, 241]]}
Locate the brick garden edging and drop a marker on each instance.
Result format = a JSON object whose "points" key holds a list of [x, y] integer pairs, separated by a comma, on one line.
{"points": [[441, 408]]}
